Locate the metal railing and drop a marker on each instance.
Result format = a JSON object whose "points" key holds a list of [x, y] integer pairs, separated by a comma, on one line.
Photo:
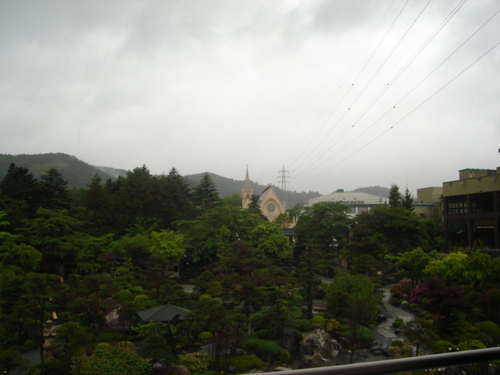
{"points": [[393, 366]]}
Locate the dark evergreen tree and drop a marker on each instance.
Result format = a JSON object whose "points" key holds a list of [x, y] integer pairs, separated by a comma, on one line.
{"points": [[407, 200], [395, 198], [95, 200], [324, 226], [20, 195], [205, 194], [54, 191], [176, 202]]}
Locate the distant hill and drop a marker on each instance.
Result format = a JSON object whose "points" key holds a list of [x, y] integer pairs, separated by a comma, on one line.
{"points": [[379, 191], [228, 186], [79, 174], [76, 172]]}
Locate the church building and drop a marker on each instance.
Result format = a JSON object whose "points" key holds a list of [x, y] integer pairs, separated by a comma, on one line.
{"points": [[270, 204]]}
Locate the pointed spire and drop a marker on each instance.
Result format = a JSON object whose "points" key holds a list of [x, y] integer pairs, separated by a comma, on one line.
{"points": [[248, 187]]}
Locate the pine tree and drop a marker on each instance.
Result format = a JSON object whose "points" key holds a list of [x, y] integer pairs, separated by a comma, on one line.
{"points": [[54, 189], [205, 195], [395, 198], [408, 200]]}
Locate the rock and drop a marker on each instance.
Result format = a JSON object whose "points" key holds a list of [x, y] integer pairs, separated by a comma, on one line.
{"points": [[316, 348], [290, 340]]}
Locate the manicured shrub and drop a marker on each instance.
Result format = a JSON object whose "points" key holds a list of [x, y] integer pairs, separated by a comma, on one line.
{"points": [[263, 348], [490, 328], [124, 295], [303, 324], [263, 334], [398, 323], [471, 345], [137, 289], [397, 343], [364, 335], [284, 356], [156, 348], [106, 337], [205, 336], [197, 363], [318, 319], [29, 344], [244, 363], [442, 346]]}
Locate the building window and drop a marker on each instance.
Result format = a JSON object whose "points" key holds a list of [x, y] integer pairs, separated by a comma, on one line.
{"points": [[457, 205], [481, 203], [271, 207]]}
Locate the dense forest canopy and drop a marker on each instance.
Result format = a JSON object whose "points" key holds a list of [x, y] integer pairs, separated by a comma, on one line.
{"points": [[89, 259]]}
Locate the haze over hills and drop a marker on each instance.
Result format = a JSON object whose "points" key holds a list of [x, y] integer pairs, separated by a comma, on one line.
{"points": [[76, 172], [79, 175]]}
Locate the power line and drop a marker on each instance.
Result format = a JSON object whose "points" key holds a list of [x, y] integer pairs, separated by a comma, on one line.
{"points": [[411, 112], [350, 86], [324, 151]]}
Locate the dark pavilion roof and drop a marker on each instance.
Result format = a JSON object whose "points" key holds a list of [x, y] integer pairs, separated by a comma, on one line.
{"points": [[163, 313]]}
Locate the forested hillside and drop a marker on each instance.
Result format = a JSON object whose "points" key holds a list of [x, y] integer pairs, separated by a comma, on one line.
{"points": [[228, 186], [75, 171], [79, 174]]}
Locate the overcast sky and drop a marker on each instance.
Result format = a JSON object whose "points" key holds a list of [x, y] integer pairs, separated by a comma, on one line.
{"points": [[343, 94]]}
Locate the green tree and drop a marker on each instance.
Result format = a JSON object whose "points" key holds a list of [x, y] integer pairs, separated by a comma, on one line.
{"points": [[214, 230], [40, 289], [167, 247], [20, 196], [238, 266], [96, 205], [168, 244], [307, 276], [21, 255], [353, 297], [94, 255], [269, 237], [12, 360], [54, 191], [156, 348], [407, 200], [364, 264], [324, 226], [356, 290], [71, 339], [110, 360], [395, 198], [413, 263], [176, 199], [459, 268], [390, 229], [205, 194], [419, 331], [54, 233]]}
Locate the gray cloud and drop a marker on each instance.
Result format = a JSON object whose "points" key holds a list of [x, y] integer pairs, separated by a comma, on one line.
{"points": [[215, 85]]}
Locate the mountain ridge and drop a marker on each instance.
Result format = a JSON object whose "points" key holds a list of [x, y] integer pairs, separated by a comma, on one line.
{"points": [[79, 174]]}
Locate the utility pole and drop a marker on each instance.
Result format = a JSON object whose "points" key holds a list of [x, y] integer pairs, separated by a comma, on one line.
{"points": [[284, 180]]}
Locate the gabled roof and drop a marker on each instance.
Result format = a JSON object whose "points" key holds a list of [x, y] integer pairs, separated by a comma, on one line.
{"points": [[163, 313]]}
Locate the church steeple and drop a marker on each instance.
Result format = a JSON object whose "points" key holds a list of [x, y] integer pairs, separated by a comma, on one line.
{"points": [[246, 193]]}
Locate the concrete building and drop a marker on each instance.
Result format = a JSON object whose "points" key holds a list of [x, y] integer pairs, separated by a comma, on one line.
{"points": [[428, 202], [471, 209], [357, 201]]}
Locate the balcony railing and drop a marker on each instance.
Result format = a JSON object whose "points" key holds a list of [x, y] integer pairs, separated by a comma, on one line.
{"points": [[393, 366]]}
